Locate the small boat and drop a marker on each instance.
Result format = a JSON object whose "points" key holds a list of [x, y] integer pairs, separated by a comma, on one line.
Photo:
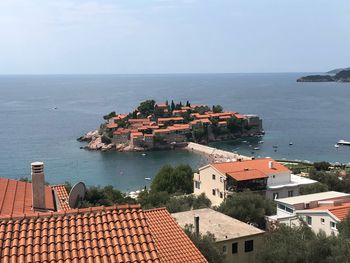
{"points": [[336, 145], [290, 143], [342, 142], [261, 142], [143, 154], [244, 141], [256, 148], [148, 178]]}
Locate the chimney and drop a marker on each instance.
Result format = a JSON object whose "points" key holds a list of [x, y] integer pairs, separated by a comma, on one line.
{"points": [[271, 164], [38, 186], [196, 225]]}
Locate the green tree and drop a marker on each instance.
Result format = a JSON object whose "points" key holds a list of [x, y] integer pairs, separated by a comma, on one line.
{"points": [[217, 108], [344, 228], [146, 107], [172, 107], [187, 202], [322, 166], [109, 115], [206, 245], [188, 104], [152, 199], [313, 188], [174, 180], [248, 207]]}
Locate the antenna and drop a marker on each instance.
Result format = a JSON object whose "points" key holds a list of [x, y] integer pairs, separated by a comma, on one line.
{"points": [[76, 194]]}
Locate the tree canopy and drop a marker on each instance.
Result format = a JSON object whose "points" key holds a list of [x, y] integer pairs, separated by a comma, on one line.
{"points": [[248, 207], [146, 107], [173, 180]]}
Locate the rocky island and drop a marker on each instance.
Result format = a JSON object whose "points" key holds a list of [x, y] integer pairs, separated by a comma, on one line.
{"points": [[166, 126], [339, 76]]}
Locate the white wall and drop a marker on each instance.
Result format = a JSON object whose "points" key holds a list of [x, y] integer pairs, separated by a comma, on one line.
{"points": [[207, 184], [279, 178], [317, 225]]}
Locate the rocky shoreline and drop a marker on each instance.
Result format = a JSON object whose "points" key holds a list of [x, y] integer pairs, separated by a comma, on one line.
{"points": [[98, 142]]}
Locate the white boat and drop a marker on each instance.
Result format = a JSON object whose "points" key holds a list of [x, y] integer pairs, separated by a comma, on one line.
{"points": [[290, 143], [143, 154], [148, 178], [256, 148], [342, 142], [336, 145]]}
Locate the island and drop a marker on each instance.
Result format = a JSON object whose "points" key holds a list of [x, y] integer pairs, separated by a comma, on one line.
{"points": [[341, 75], [157, 126]]}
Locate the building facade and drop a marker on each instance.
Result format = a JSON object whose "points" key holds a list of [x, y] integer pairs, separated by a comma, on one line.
{"points": [[220, 180]]}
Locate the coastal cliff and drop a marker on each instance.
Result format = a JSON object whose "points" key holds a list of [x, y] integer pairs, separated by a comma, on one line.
{"points": [[340, 76]]}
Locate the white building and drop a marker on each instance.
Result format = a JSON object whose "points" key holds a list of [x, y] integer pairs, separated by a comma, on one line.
{"points": [[220, 180], [321, 211]]}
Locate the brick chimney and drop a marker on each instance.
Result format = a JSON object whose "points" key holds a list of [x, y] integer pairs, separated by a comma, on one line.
{"points": [[38, 186]]}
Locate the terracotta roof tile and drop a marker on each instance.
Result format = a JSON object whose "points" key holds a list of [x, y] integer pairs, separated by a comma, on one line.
{"points": [[62, 197], [173, 245], [99, 234], [16, 197]]}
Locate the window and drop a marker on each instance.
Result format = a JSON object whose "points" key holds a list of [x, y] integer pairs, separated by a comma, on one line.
{"points": [[214, 191], [224, 249], [221, 179], [275, 196], [333, 225], [234, 248], [322, 221], [307, 206], [309, 220], [290, 193], [248, 245], [221, 195], [197, 184], [273, 176], [213, 176], [289, 210]]}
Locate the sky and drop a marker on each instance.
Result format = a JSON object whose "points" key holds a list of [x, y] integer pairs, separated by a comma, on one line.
{"points": [[173, 36]]}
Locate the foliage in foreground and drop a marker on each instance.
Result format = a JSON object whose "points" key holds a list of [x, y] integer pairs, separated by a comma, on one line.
{"points": [[300, 244], [248, 207], [206, 245]]}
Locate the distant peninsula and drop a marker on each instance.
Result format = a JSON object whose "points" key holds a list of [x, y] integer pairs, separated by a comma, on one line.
{"points": [[338, 75], [154, 126]]}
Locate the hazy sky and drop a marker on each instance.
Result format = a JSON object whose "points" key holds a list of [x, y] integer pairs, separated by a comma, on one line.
{"points": [[173, 36]]}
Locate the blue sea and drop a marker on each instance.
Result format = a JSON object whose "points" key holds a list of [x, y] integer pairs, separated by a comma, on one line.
{"points": [[41, 117]]}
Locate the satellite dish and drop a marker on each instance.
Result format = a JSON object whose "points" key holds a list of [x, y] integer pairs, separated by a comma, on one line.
{"points": [[76, 194]]}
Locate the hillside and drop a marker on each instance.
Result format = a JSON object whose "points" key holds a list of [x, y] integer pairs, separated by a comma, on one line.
{"points": [[341, 76]]}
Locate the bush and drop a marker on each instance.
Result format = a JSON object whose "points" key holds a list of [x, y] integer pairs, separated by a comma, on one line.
{"points": [[248, 207]]}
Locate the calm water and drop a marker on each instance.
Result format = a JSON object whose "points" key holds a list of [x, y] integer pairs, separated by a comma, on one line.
{"points": [[314, 116]]}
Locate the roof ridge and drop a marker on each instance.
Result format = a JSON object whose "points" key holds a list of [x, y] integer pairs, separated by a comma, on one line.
{"points": [[155, 209], [71, 211]]}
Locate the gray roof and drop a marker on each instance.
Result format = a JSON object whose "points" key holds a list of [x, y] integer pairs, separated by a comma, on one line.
{"points": [[222, 226], [311, 197]]}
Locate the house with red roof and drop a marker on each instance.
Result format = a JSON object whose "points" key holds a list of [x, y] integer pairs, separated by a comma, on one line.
{"points": [[220, 180], [320, 211], [38, 225]]}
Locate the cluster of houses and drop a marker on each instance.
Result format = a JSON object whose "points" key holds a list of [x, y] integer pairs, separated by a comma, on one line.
{"points": [[320, 211], [175, 126]]}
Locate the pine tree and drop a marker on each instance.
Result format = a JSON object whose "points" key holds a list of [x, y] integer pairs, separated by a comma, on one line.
{"points": [[172, 105]]}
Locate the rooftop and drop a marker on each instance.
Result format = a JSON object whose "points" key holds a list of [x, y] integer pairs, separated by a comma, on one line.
{"points": [[16, 197], [258, 167], [222, 226], [311, 197], [100, 234]]}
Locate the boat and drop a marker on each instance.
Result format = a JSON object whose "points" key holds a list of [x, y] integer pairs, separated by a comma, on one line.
{"points": [[336, 145], [143, 154], [343, 142], [260, 142], [148, 178], [290, 143], [256, 148]]}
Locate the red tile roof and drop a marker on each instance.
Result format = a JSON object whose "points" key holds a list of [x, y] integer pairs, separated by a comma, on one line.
{"points": [[111, 234], [247, 175], [62, 197], [173, 245], [112, 125], [340, 211], [170, 119], [16, 197], [257, 167]]}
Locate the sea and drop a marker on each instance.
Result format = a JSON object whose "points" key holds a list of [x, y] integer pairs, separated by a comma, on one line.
{"points": [[41, 117]]}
